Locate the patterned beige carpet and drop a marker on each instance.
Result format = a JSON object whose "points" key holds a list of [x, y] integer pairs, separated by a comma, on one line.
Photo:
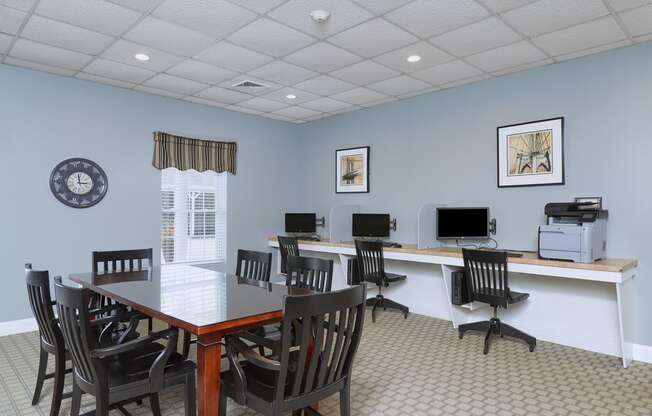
{"points": [[417, 367]]}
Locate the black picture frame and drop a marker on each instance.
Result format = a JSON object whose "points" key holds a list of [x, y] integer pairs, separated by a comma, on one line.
{"points": [[562, 180], [367, 185]]}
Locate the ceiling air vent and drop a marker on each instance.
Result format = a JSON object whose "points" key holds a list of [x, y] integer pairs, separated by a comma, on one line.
{"points": [[249, 84]]}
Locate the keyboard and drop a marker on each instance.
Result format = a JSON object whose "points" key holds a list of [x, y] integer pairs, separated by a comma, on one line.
{"points": [[389, 244], [514, 254]]}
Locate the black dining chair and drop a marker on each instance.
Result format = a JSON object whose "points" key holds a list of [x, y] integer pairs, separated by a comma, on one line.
{"points": [[487, 279], [254, 265], [287, 246], [320, 338], [371, 268], [119, 374]]}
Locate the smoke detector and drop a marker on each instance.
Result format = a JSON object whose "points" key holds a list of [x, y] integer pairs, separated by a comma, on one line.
{"points": [[320, 16]]}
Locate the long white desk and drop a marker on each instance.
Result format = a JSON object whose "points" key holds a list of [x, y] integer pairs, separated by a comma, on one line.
{"points": [[612, 271]]}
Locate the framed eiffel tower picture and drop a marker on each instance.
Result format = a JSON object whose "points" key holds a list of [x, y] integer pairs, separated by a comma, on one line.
{"points": [[531, 154]]}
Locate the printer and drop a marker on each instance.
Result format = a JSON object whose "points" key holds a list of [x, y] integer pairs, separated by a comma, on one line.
{"points": [[575, 231]]}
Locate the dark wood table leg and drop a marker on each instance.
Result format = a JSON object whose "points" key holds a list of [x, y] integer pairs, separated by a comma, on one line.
{"points": [[209, 351]]}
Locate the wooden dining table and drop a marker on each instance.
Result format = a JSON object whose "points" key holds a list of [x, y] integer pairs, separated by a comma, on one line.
{"points": [[198, 299]]}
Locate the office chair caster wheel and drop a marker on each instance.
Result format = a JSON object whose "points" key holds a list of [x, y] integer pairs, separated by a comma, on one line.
{"points": [[532, 348], [460, 335]]}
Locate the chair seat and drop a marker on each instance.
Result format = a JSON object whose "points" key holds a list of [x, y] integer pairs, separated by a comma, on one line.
{"points": [[514, 297], [393, 277]]}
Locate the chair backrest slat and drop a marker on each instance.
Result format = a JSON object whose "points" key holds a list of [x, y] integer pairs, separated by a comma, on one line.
{"points": [[254, 265], [309, 272], [123, 258], [288, 246], [371, 262], [40, 301], [486, 275]]}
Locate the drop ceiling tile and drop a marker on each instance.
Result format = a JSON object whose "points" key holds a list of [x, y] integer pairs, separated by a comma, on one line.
{"points": [[168, 37], [400, 85], [278, 117], [38, 67], [268, 86], [296, 112], [118, 71], [158, 91], [466, 81], [214, 18], [381, 7], [519, 53], [48, 55], [65, 35], [584, 36], [347, 109], [477, 37], [262, 104], [638, 21], [327, 105], [201, 72], [386, 100], [124, 51], [283, 73], [360, 96], [590, 51], [233, 57], [271, 38], [103, 80], [430, 56], [620, 5], [325, 85], [5, 41], [644, 38], [364, 73], [281, 96], [420, 92], [222, 95], [175, 84], [344, 14], [499, 6], [140, 5], [549, 15], [204, 101], [257, 5], [322, 57], [373, 38], [24, 5], [449, 72], [428, 18], [523, 67], [100, 16], [244, 110], [11, 20]]}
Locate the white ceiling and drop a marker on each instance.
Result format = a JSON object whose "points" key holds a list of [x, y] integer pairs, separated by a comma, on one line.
{"points": [[200, 49]]}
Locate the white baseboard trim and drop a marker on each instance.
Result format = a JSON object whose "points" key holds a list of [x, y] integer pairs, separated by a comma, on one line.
{"points": [[18, 327], [642, 353]]}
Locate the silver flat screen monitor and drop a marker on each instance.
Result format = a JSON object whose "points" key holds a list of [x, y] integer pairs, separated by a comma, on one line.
{"points": [[462, 223], [370, 225], [300, 222]]}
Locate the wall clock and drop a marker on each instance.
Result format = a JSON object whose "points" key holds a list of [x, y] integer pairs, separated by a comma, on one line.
{"points": [[78, 183]]}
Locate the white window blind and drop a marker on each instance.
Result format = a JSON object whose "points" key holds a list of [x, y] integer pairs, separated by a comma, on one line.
{"points": [[193, 216]]}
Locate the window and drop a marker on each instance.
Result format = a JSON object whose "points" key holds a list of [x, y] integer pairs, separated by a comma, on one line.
{"points": [[193, 216]]}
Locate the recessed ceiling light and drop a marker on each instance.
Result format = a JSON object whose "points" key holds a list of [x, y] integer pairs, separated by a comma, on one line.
{"points": [[142, 56], [320, 16], [290, 96], [413, 58]]}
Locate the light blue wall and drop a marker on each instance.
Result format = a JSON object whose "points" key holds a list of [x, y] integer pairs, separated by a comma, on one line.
{"points": [[441, 147], [45, 119]]}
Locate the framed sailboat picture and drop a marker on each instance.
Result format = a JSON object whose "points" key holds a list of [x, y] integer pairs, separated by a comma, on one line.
{"points": [[352, 170]]}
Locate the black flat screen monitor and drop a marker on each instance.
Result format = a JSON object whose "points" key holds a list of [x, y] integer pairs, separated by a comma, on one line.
{"points": [[460, 223], [300, 223], [370, 225]]}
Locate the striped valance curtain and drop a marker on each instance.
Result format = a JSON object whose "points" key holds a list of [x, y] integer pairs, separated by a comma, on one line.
{"points": [[184, 153]]}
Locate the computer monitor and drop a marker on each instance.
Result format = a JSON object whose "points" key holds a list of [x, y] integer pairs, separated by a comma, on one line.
{"points": [[300, 222], [370, 225], [462, 223]]}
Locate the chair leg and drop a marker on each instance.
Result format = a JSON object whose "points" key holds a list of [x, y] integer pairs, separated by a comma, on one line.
{"points": [[190, 396], [150, 325], [76, 399], [373, 311], [487, 339], [59, 375], [481, 326], [387, 303], [345, 400], [40, 377], [222, 403], [186, 344], [510, 331], [155, 404], [102, 404]]}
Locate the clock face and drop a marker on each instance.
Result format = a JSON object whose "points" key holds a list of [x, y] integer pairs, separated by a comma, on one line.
{"points": [[78, 183]]}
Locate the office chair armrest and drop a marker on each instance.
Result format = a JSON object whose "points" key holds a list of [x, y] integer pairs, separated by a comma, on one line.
{"points": [[238, 347], [157, 371], [259, 340], [132, 345]]}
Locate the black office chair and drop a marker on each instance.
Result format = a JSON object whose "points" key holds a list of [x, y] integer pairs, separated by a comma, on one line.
{"points": [[371, 268], [288, 246], [488, 282], [119, 374], [320, 337]]}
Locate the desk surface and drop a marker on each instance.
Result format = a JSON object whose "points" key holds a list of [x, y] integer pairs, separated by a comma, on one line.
{"points": [[607, 265]]}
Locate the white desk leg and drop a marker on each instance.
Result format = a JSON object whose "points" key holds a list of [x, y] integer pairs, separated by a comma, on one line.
{"points": [[278, 261], [623, 324], [446, 272], [344, 262]]}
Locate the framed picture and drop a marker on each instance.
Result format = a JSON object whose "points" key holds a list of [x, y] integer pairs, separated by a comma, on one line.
{"points": [[531, 154], [352, 170]]}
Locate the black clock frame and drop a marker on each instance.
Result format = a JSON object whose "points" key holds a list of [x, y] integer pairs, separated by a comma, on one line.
{"points": [[89, 171]]}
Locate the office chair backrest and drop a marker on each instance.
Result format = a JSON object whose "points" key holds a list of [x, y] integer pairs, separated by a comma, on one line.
{"points": [[288, 246], [72, 308], [254, 265], [371, 263], [309, 272], [119, 261], [40, 300], [486, 276], [326, 328]]}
